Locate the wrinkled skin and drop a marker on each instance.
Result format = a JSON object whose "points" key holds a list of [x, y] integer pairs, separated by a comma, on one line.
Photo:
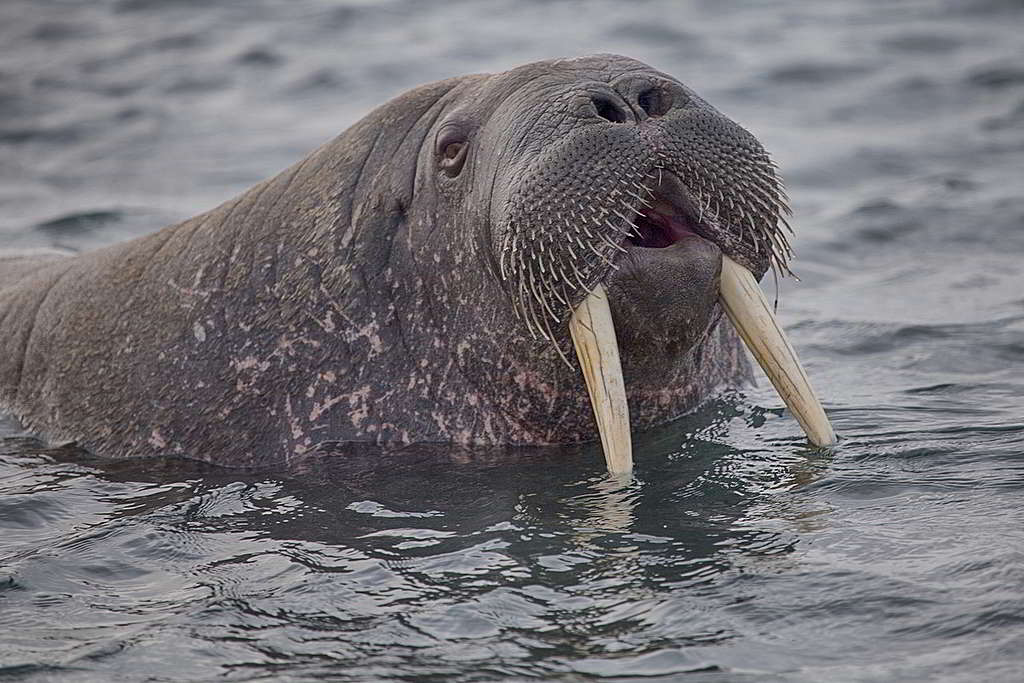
{"points": [[389, 287]]}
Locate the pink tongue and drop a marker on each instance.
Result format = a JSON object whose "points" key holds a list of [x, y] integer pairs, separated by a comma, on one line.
{"points": [[679, 227], [676, 227]]}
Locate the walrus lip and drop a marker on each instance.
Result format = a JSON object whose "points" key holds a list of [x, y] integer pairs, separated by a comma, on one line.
{"points": [[593, 336]]}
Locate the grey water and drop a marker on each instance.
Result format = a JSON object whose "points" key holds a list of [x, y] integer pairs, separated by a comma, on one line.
{"points": [[736, 553]]}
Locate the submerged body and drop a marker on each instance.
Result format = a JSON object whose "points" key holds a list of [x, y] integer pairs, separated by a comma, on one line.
{"points": [[411, 280]]}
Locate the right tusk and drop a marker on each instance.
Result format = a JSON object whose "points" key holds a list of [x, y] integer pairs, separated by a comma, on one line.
{"points": [[593, 335], [747, 308]]}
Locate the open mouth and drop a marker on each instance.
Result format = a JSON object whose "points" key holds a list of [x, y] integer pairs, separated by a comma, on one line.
{"points": [[660, 226], [669, 217], [667, 221]]}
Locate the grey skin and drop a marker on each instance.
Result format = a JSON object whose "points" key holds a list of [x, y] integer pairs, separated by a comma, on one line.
{"points": [[411, 280]]}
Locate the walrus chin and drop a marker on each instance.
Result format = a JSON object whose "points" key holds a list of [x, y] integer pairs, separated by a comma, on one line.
{"points": [[668, 219]]}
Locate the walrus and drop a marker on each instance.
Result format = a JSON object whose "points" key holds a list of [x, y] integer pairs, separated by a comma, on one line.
{"points": [[427, 276]]}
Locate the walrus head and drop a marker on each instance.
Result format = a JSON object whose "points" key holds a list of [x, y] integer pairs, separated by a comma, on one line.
{"points": [[641, 185], [575, 174]]}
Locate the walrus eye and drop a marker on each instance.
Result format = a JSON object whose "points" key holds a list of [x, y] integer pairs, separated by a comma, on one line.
{"points": [[452, 149]]}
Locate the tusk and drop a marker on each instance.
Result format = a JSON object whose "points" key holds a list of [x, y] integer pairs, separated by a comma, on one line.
{"points": [[749, 312], [593, 336]]}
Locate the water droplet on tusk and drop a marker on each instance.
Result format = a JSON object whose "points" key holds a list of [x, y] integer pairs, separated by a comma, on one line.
{"points": [[747, 308], [593, 336]]}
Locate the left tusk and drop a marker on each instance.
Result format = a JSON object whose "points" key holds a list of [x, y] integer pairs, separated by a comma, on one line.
{"points": [[593, 336], [749, 312]]}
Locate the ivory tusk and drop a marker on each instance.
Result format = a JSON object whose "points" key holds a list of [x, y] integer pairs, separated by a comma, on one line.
{"points": [[593, 336], [747, 308]]}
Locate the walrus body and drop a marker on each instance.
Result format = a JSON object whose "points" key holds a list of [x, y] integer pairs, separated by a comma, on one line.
{"points": [[409, 281]]}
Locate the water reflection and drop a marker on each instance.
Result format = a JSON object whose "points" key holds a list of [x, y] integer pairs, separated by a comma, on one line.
{"points": [[489, 555]]}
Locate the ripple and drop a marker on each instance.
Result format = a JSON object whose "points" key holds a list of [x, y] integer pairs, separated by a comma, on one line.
{"points": [[816, 73], [996, 76], [658, 663], [925, 43], [35, 512], [79, 222], [261, 56]]}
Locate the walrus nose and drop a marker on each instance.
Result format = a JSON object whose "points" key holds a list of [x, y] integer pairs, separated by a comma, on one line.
{"points": [[633, 101], [610, 108]]}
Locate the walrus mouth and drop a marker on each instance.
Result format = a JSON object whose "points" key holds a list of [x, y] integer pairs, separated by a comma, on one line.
{"points": [[667, 218], [660, 226], [663, 223]]}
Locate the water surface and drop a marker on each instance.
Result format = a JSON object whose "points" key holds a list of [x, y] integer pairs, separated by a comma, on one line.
{"points": [[736, 554]]}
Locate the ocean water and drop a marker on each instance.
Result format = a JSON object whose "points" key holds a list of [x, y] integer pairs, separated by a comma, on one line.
{"points": [[736, 553]]}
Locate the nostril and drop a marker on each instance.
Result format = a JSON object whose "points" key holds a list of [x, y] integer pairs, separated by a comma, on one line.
{"points": [[609, 110], [655, 101]]}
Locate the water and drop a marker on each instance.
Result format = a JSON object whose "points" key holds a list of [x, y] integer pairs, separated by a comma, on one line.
{"points": [[736, 554]]}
